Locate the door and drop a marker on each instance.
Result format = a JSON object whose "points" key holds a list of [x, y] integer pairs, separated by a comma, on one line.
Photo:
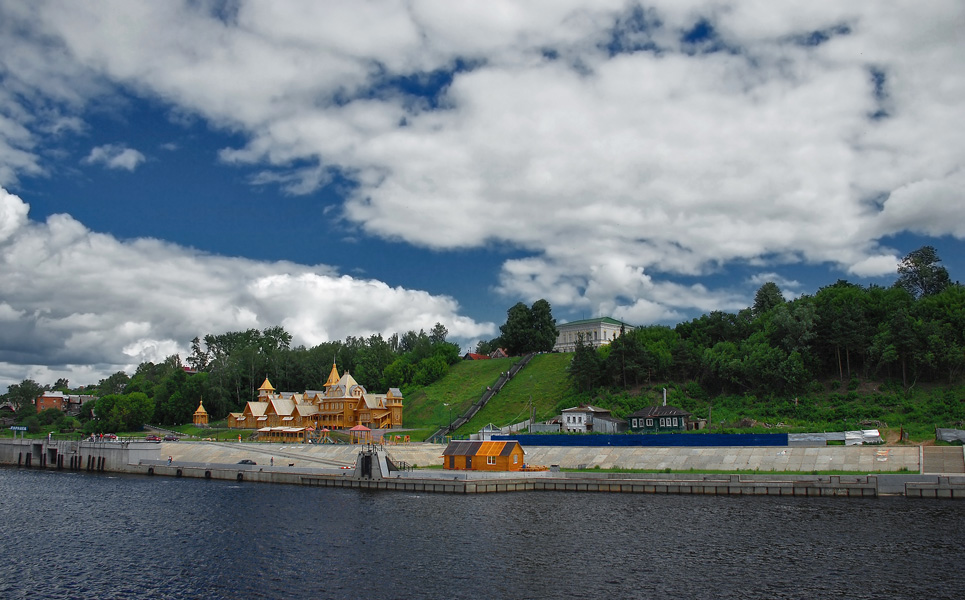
{"points": [[468, 463]]}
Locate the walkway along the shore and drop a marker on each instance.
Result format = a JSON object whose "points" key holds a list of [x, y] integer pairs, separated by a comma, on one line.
{"points": [[896, 472]]}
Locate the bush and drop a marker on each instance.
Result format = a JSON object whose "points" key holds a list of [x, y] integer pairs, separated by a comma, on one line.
{"points": [[50, 416], [694, 390], [32, 424]]}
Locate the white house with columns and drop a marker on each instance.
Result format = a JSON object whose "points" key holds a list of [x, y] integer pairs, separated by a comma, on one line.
{"points": [[596, 332]]}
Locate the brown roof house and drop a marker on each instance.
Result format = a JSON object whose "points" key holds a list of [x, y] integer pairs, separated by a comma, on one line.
{"points": [[483, 456], [659, 419]]}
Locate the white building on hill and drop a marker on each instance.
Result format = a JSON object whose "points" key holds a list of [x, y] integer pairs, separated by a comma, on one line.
{"points": [[596, 332]]}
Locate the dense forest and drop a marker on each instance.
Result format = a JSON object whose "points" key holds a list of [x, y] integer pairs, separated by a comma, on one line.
{"points": [[908, 334], [912, 332]]}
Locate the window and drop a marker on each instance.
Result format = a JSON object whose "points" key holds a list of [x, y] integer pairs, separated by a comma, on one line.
{"points": [[649, 422], [663, 422], [634, 422], [515, 459], [490, 460], [675, 421]]}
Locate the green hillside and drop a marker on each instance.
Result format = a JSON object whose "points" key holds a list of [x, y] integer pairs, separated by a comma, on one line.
{"points": [[543, 380], [425, 409], [544, 383]]}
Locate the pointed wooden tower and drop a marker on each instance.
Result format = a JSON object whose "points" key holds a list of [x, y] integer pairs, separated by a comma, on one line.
{"points": [[201, 415]]}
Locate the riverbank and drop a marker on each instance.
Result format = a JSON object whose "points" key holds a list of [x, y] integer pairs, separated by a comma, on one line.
{"points": [[887, 470]]}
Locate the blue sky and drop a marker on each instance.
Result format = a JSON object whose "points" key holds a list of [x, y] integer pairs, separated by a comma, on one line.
{"points": [[181, 168]]}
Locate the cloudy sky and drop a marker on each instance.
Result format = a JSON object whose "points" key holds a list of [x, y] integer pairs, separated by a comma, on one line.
{"points": [[171, 169]]}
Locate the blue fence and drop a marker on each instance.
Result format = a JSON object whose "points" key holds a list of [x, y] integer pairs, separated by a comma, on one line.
{"points": [[652, 440]]}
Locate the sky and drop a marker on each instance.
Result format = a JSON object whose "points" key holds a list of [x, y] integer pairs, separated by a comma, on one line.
{"points": [[174, 169]]}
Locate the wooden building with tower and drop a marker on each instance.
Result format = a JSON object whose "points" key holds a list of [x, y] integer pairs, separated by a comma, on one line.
{"points": [[342, 404]]}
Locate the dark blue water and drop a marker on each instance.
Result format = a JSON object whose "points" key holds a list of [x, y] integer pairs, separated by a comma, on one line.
{"points": [[75, 535]]}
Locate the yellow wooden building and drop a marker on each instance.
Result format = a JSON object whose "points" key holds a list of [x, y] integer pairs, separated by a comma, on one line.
{"points": [[201, 416], [466, 455], [342, 404]]}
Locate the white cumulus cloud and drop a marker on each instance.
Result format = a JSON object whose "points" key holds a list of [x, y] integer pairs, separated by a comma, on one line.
{"points": [[615, 147], [72, 296], [115, 156]]}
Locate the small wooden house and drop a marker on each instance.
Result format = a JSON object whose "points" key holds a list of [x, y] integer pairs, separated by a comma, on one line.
{"points": [[659, 419], [483, 456]]}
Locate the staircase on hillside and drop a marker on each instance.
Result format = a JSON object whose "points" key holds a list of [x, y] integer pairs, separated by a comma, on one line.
{"points": [[483, 400]]}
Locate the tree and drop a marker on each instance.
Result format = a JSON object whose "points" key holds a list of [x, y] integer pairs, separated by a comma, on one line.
{"points": [[114, 384], [529, 329], [372, 360], [585, 368], [24, 393], [766, 298], [517, 329], [429, 370], [920, 275], [842, 322], [627, 363], [438, 333], [545, 332], [199, 358], [486, 348]]}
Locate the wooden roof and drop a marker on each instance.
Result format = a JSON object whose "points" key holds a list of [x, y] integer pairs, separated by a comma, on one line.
{"points": [[659, 411], [332, 377], [587, 408], [471, 448], [256, 409]]}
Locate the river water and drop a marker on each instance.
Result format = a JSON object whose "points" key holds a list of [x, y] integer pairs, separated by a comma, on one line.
{"points": [[78, 535]]}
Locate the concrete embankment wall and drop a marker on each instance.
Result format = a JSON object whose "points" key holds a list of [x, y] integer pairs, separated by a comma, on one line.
{"points": [[115, 456], [331, 466]]}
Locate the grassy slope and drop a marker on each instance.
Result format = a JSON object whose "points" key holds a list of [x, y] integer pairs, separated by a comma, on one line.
{"points": [[835, 408], [425, 411], [543, 381]]}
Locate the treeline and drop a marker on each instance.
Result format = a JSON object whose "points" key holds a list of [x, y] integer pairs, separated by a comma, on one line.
{"points": [[911, 332], [225, 370], [527, 329]]}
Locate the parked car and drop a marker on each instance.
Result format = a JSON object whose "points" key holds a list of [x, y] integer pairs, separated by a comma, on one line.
{"points": [[171, 438], [247, 461], [110, 437], [152, 438]]}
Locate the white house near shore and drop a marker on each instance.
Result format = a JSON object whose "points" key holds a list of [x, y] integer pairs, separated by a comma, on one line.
{"points": [[596, 332], [587, 418]]}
